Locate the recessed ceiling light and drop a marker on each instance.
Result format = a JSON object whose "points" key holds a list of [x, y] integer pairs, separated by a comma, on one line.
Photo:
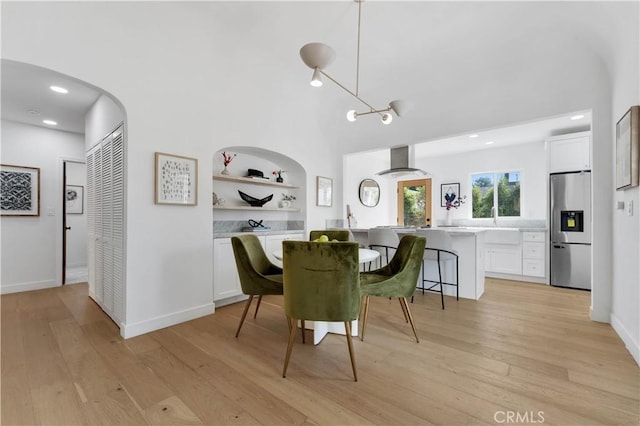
{"points": [[58, 89], [577, 117], [473, 136], [50, 122], [489, 143]]}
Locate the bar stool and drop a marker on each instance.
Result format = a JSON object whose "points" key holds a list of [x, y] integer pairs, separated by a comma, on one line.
{"points": [[385, 241], [438, 249]]}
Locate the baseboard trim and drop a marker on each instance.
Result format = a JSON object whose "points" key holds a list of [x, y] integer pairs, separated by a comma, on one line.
{"points": [[37, 285], [131, 330], [632, 346]]}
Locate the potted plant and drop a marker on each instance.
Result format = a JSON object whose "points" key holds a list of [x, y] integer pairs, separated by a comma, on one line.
{"points": [[278, 174], [286, 200]]}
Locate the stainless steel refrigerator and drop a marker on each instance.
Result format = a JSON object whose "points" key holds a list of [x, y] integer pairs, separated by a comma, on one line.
{"points": [[570, 235]]}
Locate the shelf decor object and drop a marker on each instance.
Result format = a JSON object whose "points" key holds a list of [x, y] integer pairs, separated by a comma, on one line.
{"points": [[628, 149], [74, 199], [324, 191], [318, 56], [20, 190], [176, 180], [255, 202]]}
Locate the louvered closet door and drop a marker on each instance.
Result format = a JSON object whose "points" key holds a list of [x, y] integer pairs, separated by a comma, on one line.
{"points": [[105, 207]]}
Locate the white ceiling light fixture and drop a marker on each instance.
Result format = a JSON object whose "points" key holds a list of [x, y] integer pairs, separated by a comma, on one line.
{"points": [[59, 89], [50, 122], [318, 56], [473, 136], [577, 117]]}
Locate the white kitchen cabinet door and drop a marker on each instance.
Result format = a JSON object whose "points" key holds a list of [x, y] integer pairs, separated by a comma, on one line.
{"points": [[226, 282], [505, 260], [569, 153]]}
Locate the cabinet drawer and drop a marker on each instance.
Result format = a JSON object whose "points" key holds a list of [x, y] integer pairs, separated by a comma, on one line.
{"points": [[533, 236], [533, 250], [533, 268]]}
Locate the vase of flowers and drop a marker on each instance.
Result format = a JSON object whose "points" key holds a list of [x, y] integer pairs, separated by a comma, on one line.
{"points": [[226, 159], [452, 201], [286, 200], [278, 174]]}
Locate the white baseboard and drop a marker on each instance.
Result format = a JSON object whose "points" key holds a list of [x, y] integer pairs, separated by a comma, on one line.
{"points": [[153, 324], [37, 285], [629, 342]]}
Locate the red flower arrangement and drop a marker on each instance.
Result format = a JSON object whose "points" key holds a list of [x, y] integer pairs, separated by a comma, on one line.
{"points": [[454, 202], [227, 158]]}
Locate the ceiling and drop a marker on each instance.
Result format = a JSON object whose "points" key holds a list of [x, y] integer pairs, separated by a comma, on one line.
{"points": [[26, 97]]}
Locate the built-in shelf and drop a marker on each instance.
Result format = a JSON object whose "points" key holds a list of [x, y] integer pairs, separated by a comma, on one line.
{"points": [[268, 209], [255, 182]]}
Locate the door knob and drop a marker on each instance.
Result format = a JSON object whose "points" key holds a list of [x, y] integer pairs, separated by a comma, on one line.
{"points": [[67, 228]]}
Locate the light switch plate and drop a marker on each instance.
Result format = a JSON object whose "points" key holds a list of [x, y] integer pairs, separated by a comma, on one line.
{"points": [[630, 207], [620, 205]]}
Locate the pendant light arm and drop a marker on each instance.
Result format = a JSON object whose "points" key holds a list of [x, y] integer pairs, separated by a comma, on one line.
{"points": [[372, 109], [358, 50]]}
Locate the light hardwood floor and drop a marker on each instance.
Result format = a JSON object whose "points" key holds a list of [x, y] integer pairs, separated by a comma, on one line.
{"points": [[525, 349]]}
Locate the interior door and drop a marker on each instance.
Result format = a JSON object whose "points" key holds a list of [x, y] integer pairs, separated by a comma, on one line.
{"points": [[414, 202], [74, 222]]}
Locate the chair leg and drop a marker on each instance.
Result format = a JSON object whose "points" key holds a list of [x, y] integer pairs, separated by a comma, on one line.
{"points": [[257, 307], [302, 328], [440, 278], [244, 315], [404, 311], [457, 279], [347, 328], [292, 335], [413, 327], [364, 317]]}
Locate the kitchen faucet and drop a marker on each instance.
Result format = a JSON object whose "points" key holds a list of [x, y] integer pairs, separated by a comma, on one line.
{"points": [[494, 215]]}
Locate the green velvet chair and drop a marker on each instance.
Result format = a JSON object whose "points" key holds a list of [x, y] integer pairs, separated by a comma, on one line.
{"points": [[258, 276], [396, 279], [333, 234], [321, 283]]}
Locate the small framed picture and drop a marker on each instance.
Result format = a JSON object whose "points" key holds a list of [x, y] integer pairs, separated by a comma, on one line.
{"points": [[176, 180], [628, 149], [74, 199], [324, 191], [448, 193], [20, 190]]}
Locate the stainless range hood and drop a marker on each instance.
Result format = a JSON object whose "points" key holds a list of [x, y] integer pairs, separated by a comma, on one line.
{"points": [[402, 162]]}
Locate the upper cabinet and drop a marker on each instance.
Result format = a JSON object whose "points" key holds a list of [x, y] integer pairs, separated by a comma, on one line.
{"points": [[569, 153]]}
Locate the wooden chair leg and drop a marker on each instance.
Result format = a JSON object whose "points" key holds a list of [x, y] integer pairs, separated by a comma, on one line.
{"points": [[257, 307], [413, 327], [364, 317], [404, 311], [347, 328], [244, 315], [292, 335]]}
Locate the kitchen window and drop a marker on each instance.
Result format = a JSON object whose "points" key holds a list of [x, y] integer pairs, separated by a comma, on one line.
{"points": [[495, 189]]}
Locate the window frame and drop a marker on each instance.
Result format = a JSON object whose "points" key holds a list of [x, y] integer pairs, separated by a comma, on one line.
{"points": [[495, 174]]}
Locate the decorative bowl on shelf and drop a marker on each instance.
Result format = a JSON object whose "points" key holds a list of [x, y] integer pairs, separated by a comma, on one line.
{"points": [[255, 202]]}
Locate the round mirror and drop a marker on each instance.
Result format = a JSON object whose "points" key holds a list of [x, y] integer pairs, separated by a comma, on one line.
{"points": [[369, 192]]}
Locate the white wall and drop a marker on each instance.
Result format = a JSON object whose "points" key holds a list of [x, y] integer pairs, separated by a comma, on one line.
{"points": [[30, 244], [102, 118], [77, 235], [625, 312]]}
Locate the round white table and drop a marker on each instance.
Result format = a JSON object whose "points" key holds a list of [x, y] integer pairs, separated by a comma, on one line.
{"points": [[364, 255]]}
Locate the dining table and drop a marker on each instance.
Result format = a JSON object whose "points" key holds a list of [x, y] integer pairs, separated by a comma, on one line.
{"points": [[321, 328]]}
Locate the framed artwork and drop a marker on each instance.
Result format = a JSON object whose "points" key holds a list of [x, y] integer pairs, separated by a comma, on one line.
{"points": [[20, 190], [448, 193], [324, 191], [74, 199], [627, 149], [176, 180]]}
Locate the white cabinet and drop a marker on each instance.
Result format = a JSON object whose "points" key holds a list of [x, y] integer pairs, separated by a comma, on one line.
{"points": [[226, 282], [533, 254], [503, 252], [569, 153]]}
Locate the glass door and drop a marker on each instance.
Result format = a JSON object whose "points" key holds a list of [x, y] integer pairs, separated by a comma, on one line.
{"points": [[414, 202]]}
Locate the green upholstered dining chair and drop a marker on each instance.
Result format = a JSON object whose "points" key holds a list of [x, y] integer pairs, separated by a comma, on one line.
{"points": [[396, 279], [258, 276], [321, 283], [333, 234]]}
